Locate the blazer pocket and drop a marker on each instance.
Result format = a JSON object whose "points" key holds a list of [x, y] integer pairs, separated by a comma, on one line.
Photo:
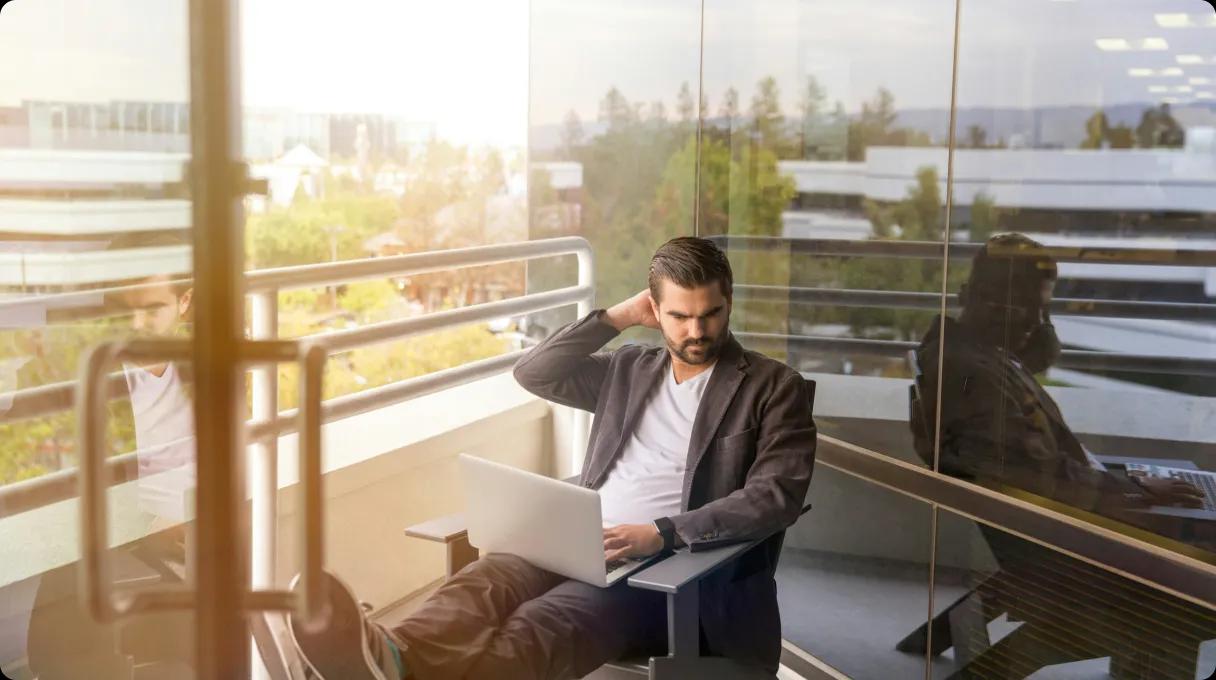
{"points": [[739, 442]]}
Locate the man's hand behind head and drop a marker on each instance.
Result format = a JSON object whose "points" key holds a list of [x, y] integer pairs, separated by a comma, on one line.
{"points": [[635, 311]]}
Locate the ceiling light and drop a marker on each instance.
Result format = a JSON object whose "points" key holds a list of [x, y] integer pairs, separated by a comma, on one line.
{"points": [[1113, 44], [1190, 59], [1125, 45], [1171, 100], [1141, 72], [1185, 20], [1183, 88], [1172, 20], [1158, 88], [1199, 81], [1204, 95]]}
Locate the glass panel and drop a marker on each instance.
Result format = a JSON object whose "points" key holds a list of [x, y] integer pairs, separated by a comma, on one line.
{"points": [[1009, 608], [402, 131], [1093, 135], [849, 600], [93, 195], [611, 138], [825, 135]]}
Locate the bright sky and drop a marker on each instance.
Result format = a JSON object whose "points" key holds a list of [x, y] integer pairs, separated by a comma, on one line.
{"points": [[464, 64]]}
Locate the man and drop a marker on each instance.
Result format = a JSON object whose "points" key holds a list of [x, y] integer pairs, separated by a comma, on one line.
{"points": [[998, 424], [161, 405], [699, 443], [163, 415]]}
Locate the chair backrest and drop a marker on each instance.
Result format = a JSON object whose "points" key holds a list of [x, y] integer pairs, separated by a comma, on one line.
{"points": [[919, 418], [810, 406]]}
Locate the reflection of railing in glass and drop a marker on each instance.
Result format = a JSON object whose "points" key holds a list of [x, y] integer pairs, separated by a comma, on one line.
{"points": [[40, 491]]}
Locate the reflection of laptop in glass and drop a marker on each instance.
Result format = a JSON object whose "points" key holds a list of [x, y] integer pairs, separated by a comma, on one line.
{"points": [[1200, 479], [550, 523]]}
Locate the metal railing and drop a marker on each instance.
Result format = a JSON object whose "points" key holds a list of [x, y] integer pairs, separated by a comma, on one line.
{"points": [[268, 423], [935, 250]]}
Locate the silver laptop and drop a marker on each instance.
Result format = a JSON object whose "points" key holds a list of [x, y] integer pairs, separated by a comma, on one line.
{"points": [[553, 524]]}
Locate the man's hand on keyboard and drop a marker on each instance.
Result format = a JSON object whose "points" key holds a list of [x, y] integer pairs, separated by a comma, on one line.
{"points": [[631, 540], [1171, 491]]}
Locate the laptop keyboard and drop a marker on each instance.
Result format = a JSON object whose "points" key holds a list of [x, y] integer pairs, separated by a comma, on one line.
{"points": [[1205, 483], [613, 565]]}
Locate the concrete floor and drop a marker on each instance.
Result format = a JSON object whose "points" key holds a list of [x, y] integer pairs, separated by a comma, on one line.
{"points": [[850, 613]]}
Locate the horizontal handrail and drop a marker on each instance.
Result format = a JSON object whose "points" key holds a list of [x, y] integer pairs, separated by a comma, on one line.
{"points": [[934, 250], [1069, 358], [46, 399], [309, 275], [61, 485], [91, 303], [357, 403], [397, 329], [844, 297], [1183, 570]]}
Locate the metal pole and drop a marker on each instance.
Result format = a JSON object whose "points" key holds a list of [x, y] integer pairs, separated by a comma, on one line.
{"points": [[221, 633], [580, 427], [264, 456]]}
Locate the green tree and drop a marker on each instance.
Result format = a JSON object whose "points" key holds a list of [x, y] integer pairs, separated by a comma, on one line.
{"points": [[977, 137], [1097, 130], [685, 107], [572, 133], [985, 218], [918, 217], [875, 126], [730, 105], [766, 114]]}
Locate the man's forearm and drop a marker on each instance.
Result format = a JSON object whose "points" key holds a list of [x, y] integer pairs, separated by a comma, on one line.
{"points": [[565, 368], [619, 316]]}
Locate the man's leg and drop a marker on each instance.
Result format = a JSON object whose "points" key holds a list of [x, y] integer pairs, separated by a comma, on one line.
{"points": [[571, 630], [445, 636]]}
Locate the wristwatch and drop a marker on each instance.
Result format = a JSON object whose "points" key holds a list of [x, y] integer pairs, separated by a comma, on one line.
{"points": [[667, 531]]}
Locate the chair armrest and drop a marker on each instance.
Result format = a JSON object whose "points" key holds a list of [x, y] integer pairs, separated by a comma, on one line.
{"points": [[684, 567], [441, 529], [452, 532]]}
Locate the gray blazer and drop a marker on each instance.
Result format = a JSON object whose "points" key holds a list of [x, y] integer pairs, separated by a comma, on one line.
{"points": [[749, 462]]}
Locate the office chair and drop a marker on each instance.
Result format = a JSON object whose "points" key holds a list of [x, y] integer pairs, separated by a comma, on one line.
{"points": [[677, 577]]}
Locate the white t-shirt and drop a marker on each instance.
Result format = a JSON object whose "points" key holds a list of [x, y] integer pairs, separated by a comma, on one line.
{"points": [[164, 439], [646, 481]]}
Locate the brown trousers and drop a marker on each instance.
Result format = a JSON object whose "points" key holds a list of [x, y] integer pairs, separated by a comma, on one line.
{"points": [[501, 618]]}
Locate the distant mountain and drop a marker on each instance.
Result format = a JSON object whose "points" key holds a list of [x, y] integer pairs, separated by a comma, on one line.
{"points": [[1050, 127], [1053, 127]]}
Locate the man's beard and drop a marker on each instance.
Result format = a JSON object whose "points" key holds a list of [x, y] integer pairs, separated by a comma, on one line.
{"points": [[712, 347]]}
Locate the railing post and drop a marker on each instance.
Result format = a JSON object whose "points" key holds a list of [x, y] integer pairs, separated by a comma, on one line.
{"points": [[580, 426], [264, 454]]}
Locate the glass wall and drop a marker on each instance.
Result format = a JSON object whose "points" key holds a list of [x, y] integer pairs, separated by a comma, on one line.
{"points": [[1065, 364], [94, 146], [612, 137]]}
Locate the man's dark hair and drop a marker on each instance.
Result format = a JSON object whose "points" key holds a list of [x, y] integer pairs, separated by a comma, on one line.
{"points": [[1010, 267], [690, 262]]}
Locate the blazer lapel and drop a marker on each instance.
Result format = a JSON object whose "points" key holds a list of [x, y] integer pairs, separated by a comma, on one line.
{"points": [[644, 380], [728, 374]]}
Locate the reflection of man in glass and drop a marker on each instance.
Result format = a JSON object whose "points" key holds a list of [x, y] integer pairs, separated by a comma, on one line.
{"points": [[63, 642], [160, 402], [998, 424]]}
